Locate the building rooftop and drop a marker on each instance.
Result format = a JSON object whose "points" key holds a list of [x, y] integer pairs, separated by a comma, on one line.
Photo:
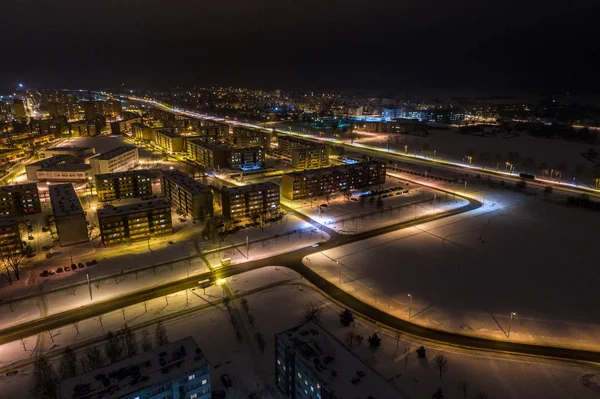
{"points": [[251, 187], [105, 156], [66, 167], [64, 200], [184, 181], [167, 132], [19, 187], [209, 146], [8, 221], [331, 169], [127, 173], [139, 371], [69, 148], [54, 160], [313, 345], [131, 208]]}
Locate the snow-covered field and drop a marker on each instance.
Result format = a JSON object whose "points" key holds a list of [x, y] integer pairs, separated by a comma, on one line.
{"points": [[281, 307], [467, 273]]}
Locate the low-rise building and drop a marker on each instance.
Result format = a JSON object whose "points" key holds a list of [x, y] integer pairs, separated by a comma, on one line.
{"points": [[80, 154], [311, 363], [133, 222], [186, 194], [251, 200], [177, 370], [71, 225], [11, 154], [142, 132], [10, 236], [66, 172], [116, 160], [19, 200], [327, 181], [130, 184], [32, 168], [169, 141], [304, 154]]}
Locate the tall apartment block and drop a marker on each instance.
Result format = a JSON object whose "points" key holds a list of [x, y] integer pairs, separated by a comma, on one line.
{"points": [[186, 194], [243, 137], [177, 370], [69, 217], [218, 156], [117, 160], [311, 363], [248, 201], [130, 184], [327, 181], [169, 141], [123, 224], [19, 200], [10, 237], [304, 154]]}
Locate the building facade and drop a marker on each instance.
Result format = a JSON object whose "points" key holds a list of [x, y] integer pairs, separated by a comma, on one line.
{"points": [[328, 181], [142, 132], [71, 225], [186, 194], [252, 200], [32, 168], [169, 141], [80, 154], [130, 184], [304, 154], [219, 156], [134, 222], [10, 237], [19, 200], [66, 172], [117, 160]]}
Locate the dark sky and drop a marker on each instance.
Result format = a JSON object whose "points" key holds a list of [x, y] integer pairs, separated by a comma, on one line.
{"points": [[447, 45]]}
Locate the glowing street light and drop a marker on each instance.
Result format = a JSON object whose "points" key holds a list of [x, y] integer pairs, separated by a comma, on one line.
{"points": [[409, 306], [510, 322]]}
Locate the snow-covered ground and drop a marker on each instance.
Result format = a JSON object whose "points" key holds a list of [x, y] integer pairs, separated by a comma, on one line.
{"points": [[467, 273], [281, 307], [453, 146]]}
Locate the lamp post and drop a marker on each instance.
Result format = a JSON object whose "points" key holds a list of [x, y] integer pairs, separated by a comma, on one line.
{"points": [[409, 306], [510, 322]]}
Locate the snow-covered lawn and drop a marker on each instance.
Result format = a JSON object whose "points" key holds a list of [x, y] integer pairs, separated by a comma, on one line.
{"points": [[281, 307], [467, 273]]}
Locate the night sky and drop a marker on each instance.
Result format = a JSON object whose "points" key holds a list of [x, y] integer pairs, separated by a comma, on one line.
{"points": [[446, 45]]}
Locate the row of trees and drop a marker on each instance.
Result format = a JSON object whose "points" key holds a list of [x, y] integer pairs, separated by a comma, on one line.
{"points": [[118, 346]]}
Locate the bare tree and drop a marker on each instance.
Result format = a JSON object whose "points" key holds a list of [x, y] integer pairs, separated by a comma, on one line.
{"points": [[359, 339], [441, 363], [45, 380], [350, 336], [463, 387], [131, 347], [260, 341], [92, 359], [160, 335], [113, 347], [146, 341], [68, 364], [481, 395], [10, 260], [312, 313]]}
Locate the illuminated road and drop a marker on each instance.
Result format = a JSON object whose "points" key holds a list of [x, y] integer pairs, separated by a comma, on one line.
{"points": [[415, 159]]}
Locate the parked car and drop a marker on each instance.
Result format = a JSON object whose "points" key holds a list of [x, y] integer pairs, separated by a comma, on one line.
{"points": [[81, 265], [59, 270], [48, 255], [360, 373], [47, 247], [88, 263], [67, 269], [355, 379], [226, 380], [30, 237], [73, 266], [94, 262], [44, 273]]}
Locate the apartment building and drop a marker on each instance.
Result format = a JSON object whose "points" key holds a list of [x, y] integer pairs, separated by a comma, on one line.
{"points": [[186, 194], [251, 200], [130, 184], [10, 236], [327, 181], [117, 160], [19, 200], [139, 221], [11, 154], [142, 132], [304, 154], [219, 156], [177, 370], [311, 363], [71, 225], [169, 141], [243, 137]]}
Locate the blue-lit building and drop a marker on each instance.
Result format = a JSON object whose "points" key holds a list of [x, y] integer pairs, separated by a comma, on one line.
{"points": [[393, 113], [177, 370], [310, 363]]}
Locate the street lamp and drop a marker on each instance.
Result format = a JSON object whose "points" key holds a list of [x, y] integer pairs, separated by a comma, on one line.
{"points": [[409, 306], [510, 322]]}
